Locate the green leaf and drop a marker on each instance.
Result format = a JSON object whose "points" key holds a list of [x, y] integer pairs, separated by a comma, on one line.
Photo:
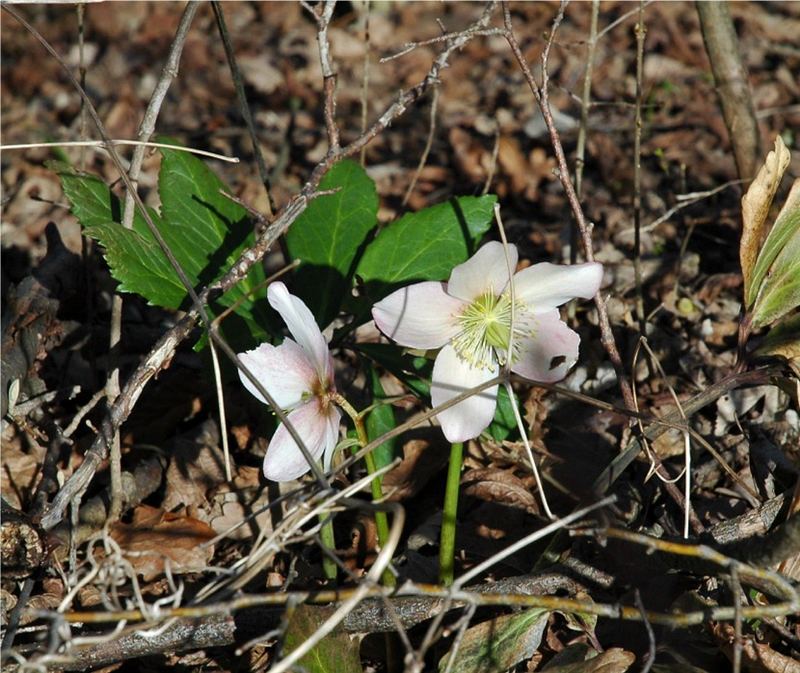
{"points": [[427, 245], [414, 372], [93, 203], [500, 643], [787, 224], [504, 422], [328, 236], [208, 232], [379, 421], [335, 653], [783, 339], [139, 264], [780, 293], [755, 209], [205, 232]]}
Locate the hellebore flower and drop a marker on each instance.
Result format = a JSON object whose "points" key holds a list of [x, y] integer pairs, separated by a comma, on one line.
{"points": [[298, 374], [469, 318]]}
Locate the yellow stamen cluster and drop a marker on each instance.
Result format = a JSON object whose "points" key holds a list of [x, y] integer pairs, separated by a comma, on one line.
{"points": [[486, 330]]}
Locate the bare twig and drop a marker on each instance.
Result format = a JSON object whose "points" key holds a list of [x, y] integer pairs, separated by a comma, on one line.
{"points": [[586, 96], [641, 32], [730, 76], [428, 144], [323, 18], [365, 81], [146, 128], [585, 228], [236, 75], [101, 144], [651, 638], [736, 590], [446, 37], [492, 160]]}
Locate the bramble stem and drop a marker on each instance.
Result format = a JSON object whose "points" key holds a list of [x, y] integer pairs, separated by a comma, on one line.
{"points": [[381, 520], [447, 543]]}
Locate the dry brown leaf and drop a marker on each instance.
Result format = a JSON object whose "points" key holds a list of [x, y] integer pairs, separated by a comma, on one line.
{"points": [[197, 466], [499, 486], [468, 154], [420, 462], [755, 208], [614, 660], [20, 470], [756, 657], [156, 536]]}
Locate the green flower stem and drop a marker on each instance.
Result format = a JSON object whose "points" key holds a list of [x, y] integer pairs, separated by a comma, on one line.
{"points": [[328, 541], [381, 520], [447, 544]]}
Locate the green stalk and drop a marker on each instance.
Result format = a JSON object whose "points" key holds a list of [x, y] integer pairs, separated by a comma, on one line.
{"points": [[447, 544], [381, 520], [328, 541]]}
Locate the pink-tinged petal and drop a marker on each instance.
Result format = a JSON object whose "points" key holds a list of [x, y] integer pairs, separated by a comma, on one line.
{"points": [[486, 270], [318, 430], [418, 316], [451, 377], [545, 286], [302, 327], [285, 371], [550, 352]]}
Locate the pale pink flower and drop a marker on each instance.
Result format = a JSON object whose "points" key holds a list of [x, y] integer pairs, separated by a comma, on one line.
{"points": [[469, 318], [298, 374]]}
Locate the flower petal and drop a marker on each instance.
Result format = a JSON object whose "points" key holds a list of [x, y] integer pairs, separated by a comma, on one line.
{"points": [[486, 269], [303, 327], [318, 430], [545, 286], [451, 377], [285, 371], [418, 316], [550, 352]]}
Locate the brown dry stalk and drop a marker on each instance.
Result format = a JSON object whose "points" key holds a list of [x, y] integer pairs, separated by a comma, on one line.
{"points": [[733, 88]]}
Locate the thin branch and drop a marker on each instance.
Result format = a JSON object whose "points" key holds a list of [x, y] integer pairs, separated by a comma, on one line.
{"points": [[101, 144], [586, 96], [428, 144], [238, 84], [365, 82], [637, 174], [651, 638], [146, 129], [323, 18], [585, 228]]}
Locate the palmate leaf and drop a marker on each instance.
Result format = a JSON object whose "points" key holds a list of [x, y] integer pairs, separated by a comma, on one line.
{"points": [[205, 232]]}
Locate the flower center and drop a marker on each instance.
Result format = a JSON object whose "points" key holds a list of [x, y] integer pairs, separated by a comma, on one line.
{"points": [[486, 330]]}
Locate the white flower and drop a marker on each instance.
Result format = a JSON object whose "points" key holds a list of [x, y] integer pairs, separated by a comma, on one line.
{"points": [[298, 374], [469, 318]]}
